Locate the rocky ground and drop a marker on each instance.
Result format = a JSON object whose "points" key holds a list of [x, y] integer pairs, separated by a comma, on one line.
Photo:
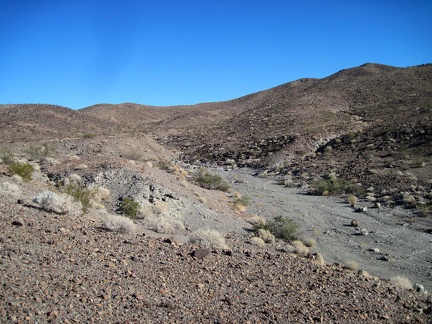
{"points": [[63, 266]]}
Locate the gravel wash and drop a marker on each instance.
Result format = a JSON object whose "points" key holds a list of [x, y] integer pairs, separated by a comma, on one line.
{"points": [[64, 269]]}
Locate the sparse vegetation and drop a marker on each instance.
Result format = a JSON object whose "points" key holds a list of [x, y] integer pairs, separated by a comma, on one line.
{"points": [[9, 190], [81, 194], [6, 157], [299, 247], [330, 186], [209, 238], [281, 227], [56, 203], [352, 200], [210, 181], [24, 170], [266, 235], [351, 265], [129, 207], [119, 224], [35, 153], [401, 282], [309, 242]]}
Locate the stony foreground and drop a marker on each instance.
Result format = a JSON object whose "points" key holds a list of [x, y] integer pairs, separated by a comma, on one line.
{"points": [[64, 269]]}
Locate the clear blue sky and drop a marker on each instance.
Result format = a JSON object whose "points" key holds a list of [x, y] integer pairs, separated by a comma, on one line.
{"points": [[77, 53]]}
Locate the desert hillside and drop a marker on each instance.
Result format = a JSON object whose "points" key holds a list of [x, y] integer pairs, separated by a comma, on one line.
{"points": [[307, 202]]}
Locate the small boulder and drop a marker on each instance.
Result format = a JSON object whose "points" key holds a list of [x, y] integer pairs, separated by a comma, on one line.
{"points": [[354, 223], [200, 253]]}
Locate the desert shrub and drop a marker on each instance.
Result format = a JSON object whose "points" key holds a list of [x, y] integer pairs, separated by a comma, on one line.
{"points": [[7, 157], [81, 194], [119, 224], [52, 161], [320, 259], [425, 210], [245, 201], [210, 181], [129, 207], [309, 242], [8, 189], [351, 265], [401, 282], [256, 219], [352, 200], [266, 235], [299, 247], [258, 241], [330, 186], [103, 193], [37, 152], [281, 227], [209, 238], [88, 135], [57, 203], [24, 170]]}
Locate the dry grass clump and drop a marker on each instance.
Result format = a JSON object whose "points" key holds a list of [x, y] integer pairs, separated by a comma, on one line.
{"points": [[258, 241], [73, 178], [73, 158], [209, 238], [352, 200], [309, 242], [52, 161], [256, 219], [401, 282], [240, 203], [9, 190], [266, 235], [299, 247], [351, 265], [167, 224], [319, 259], [119, 224], [81, 167], [103, 193], [160, 220]]}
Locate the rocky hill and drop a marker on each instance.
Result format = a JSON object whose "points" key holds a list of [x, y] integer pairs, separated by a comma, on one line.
{"points": [[119, 220]]}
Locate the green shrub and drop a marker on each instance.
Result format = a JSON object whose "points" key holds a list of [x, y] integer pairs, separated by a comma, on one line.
{"points": [[244, 201], [330, 186], [425, 210], [24, 170], [80, 193], [129, 207], [281, 227], [207, 180]]}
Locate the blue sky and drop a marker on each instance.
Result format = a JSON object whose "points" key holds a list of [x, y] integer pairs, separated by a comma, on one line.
{"points": [[78, 53]]}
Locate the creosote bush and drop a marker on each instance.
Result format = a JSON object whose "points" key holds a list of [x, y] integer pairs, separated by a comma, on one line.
{"points": [[129, 207], [81, 194], [210, 181], [281, 227], [24, 170], [330, 186]]}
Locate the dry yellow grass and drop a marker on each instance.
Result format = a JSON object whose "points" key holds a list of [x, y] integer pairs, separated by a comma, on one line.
{"points": [[351, 265]]}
